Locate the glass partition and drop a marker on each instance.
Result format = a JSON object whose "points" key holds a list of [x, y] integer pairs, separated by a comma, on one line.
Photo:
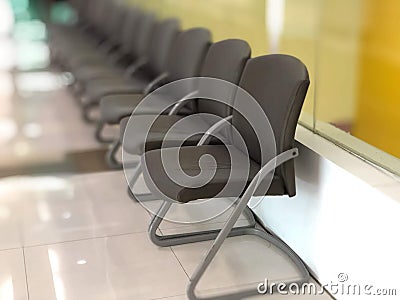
{"points": [[351, 49]]}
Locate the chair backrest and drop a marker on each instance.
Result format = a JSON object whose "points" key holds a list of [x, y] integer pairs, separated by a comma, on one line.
{"points": [[92, 11], [117, 23], [279, 84], [100, 15], [188, 53], [140, 41], [130, 29], [225, 60], [79, 7], [162, 39], [83, 9]]}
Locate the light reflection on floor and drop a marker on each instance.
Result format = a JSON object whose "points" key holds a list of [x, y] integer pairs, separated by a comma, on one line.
{"points": [[38, 82], [6, 18], [40, 123], [8, 130]]}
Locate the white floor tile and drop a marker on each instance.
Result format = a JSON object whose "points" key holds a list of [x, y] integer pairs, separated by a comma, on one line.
{"points": [[46, 210], [10, 232], [44, 127], [122, 267], [180, 297], [12, 275]]}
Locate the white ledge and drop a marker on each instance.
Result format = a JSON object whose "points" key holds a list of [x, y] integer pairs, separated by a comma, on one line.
{"points": [[375, 176]]}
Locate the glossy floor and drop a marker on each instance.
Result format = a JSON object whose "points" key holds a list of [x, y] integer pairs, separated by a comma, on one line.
{"points": [[82, 237]]}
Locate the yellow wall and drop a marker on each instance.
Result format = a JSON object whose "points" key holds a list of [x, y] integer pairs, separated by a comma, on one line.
{"points": [[225, 18], [378, 107], [337, 60], [299, 38]]}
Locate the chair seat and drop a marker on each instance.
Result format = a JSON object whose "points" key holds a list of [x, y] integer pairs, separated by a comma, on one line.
{"points": [[75, 56], [71, 42], [85, 58], [99, 71], [99, 88], [63, 31], [115, 107], [147, 133], [228, 181]]}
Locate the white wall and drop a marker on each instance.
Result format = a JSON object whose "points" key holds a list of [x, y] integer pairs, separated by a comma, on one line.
{"points": [[339, 222]]}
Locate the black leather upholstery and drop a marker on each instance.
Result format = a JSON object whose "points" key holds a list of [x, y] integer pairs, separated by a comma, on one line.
{"points": [[130, 30], [184, 60], [163, 37], [142, 39], [225, 60], [279, 84], [188, 53], [188, 158]]}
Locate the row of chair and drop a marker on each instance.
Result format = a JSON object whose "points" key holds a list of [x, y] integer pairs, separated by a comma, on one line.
{"points": [[158, 82]]}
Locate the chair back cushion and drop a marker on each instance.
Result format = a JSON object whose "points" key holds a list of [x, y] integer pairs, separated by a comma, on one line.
{"points": [[225, 60], [142, 38], [279, 84], [162, 39], [188, 53]]}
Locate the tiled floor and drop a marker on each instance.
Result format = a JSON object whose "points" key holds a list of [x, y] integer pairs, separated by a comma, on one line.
{"points": [[42, 126], [82, 237]]}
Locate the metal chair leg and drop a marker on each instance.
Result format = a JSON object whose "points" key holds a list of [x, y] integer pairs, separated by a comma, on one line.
{"points": [[110, 155], [228, 228], [191, 237], [99, 129], [132, 181], [140, 197], [226, 232], [195, 278]]}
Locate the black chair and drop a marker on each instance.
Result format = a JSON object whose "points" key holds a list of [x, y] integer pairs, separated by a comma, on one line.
{"points": [[111, 61], [225, 60], [91, 33], [93, 90], [62, 31], [119, 16], [148, 67], [279, 85], [184, 60], [151, 66], [122, 61]]}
